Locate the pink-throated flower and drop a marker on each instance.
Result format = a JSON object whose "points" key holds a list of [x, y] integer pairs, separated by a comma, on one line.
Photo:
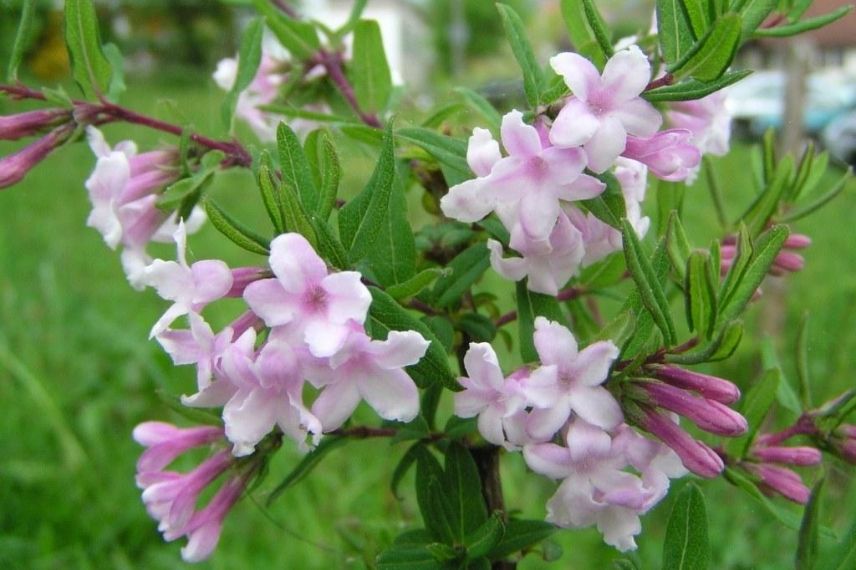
{"points": [[604, 109], [322, 304]]}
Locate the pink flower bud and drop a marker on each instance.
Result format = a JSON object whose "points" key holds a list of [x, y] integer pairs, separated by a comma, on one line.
{"points": [[846, 430], [797, 241], [708, 386], [14, 127], [708, 415], [782, 481], [15, 166], [246, 321], [696, 456], [668, 154], [788, 455], [846, 449], [243, 276], [788, 261]]}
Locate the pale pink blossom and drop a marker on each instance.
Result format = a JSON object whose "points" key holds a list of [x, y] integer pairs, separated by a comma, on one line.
{"points": [[15, 166], [28, 123], [577, 389], [198, 345], [604, 109], [322, 304], [708, 119], [370, 370], [668, 154]]}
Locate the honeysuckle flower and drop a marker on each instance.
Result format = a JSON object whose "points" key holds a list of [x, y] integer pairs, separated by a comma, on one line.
{"points": [[800, 455], [778, 480], [323, 304], [707, 118], [525, 187], [709, 415], [221, 360], [604, 109], [656, 463], [370, 370], [695, 455], [668, 154], [15, 166], [28, 123], [165, 442], [190, 287], [577, 389], [198, 345], [595, 489], [498, 402], [708, 386], [599, 238], [548, 271]]}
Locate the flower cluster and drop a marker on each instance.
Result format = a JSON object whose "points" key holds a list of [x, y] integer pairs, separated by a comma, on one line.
{"points": [[15, 166], [610, 474], [536, 188]]}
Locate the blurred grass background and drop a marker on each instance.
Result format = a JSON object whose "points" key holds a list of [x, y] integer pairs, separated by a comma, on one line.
{"points": [[77, 374]]}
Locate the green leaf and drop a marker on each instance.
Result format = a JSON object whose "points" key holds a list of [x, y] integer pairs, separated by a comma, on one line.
{"points": [[408, 558], [467, 268], [529, 306], [581, 33], [330, 174], [22, 38], [756, 406], [609, 206], [271, 195], [802, 363], [686, 546], [700, 294], [722, 346], [117, 65], [449, 152], [766, 248], [478, 327], [463, 485], [392, 258], [482, 106], [673, 29], [293, 211], [809, 537], [329, 246], [236, 231], [711, 55], [249, 58], [598, 27], [515, 31], [804, 26], [819, 202], [309, 462], [738, 267], [485, 538], [404, 465], [754, 12], [89, 67], [369, 69], [353, 18], [296, 175], [415, 284], [298, 37], [698, 16], [385, 314], [691, 89], [196, 415], [766, 203], [431, 496], [785, 394], [677, 244], [521, 535], [361, 219], [648, 285], [176, 193]]}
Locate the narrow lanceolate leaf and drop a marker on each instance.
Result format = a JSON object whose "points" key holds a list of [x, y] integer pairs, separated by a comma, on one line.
{"points": [[271, 195], [809, 537], [328, 169], [329, 246], [385, 314], [293, 211], [802, 363], [249, 58], [691, 89], [237, 232], [756, 405], [482, 106], [677, 244], [309, 462], [700, 294], [415, 284], [711, 55], [803, 26], [369, 69], [515, 31], [467, 268], [686, 546], [766, 248], [89, 66], [674, 30], [582, 36], [361, 218], [767, 202], [117, 65], [299, 37], [754, 12], [484, 539], [598, 27], [738, 267], [649, 286], [406, 557], [521, 535], [788, 518], [698, 15], [22, 37], [463, 486], [431, 496], [449, 152], [529, 306], [819, 202], [393, 256], [295, 167]]}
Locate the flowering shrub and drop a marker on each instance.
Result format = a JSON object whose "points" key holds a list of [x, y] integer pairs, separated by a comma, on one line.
{"points": [[349, 302]]}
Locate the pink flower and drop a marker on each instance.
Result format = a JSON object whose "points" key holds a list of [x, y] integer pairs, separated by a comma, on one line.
{"points": [[28, 123], [165, 442], [190, 287], [371, 370], [323, 305], [695, 455], [709, 415], [668, 154], [604, 109], [15, 166], [525, 187], [708, 119], [577, 389]]}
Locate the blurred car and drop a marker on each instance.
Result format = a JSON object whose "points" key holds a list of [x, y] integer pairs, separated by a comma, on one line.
{"points": [[839, 137], [758, 102]]}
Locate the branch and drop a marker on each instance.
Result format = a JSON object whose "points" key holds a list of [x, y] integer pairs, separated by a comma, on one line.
{"points": [[332, 62]]}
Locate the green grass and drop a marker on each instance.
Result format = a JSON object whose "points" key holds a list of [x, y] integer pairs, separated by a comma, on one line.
{"points": [[77, 373]]}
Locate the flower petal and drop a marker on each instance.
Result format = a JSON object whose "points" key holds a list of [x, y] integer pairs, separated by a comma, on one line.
{"points": [[548, 459], [574, 125], [555, 343], [578, 72], [336, 403], [295, 263], [606, 144], [626, 74], [482, 366], [591, 366], [482, 152], [401, 348], [270, 302], [596, 406], [347, 297], [639, 117], [518, 138], [391, 393]]}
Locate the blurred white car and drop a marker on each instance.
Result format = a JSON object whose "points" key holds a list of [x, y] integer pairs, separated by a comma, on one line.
{"points": [[840, 137]]}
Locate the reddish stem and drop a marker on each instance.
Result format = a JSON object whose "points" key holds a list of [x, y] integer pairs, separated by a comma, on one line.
{"points": [[332, 62], [803, 426], [667, 79]]}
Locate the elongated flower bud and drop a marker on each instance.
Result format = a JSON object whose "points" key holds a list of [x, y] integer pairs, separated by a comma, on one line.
{"points": [[802, 455], [708, 386], [797, 241], [20, 125], [696, 456], [781, 481], [15, 166], [243, 276], [709, 415], [668, 154]]}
